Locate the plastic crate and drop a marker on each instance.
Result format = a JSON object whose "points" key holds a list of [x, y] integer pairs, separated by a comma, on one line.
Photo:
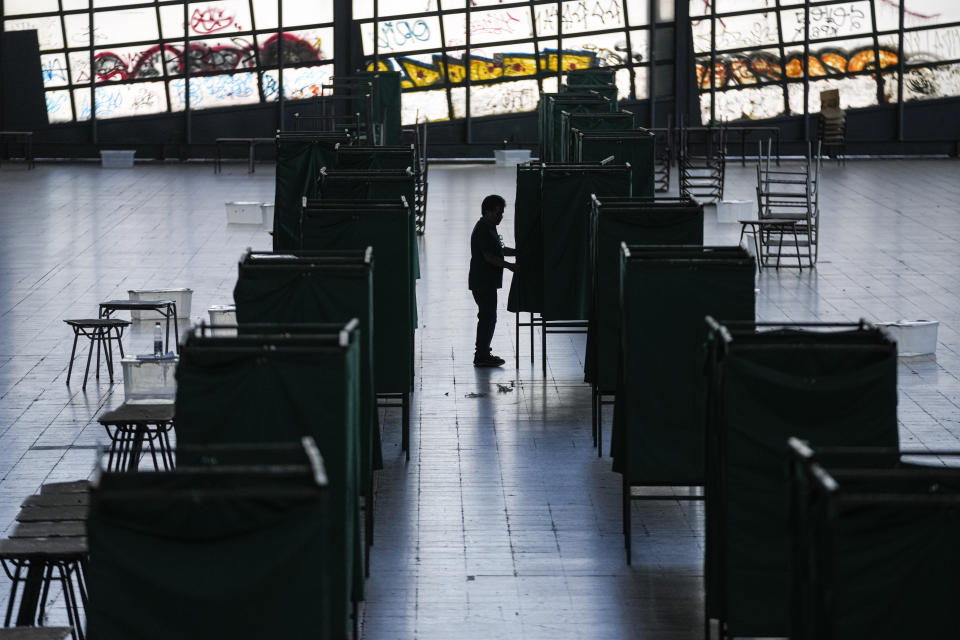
{"points": [[511, 157], [267, 208], [181, 296], [117, 159], [244, 212], [223, 314], [732, 211], [913, 337], [149, 381]]}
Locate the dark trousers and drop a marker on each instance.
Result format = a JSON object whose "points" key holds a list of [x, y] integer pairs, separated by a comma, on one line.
{"points": [[486, 300]]}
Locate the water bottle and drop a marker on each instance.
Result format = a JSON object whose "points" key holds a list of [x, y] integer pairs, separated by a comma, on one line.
{"points": [[157, 340]]}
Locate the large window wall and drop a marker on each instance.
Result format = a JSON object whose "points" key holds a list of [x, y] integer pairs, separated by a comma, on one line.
{"points": [[763, 58], [168, 56], [473, 58]]}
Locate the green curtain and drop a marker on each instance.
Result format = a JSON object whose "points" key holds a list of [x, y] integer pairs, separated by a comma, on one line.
{"points": [[588, 122], [375, 158], [571, 103], [635, 147], [299, 160], [662, 221], [565, 201], [386, 102], [660, 406], [312, 293], [887, 571], [837, 390], [526, 286], [394, 291], [168, 564], [374, 185], [227, 394]]}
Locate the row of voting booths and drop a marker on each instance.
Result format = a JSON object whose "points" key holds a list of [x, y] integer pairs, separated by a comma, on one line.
{"points": [[264, 527], [818, 525], [588, 146]]}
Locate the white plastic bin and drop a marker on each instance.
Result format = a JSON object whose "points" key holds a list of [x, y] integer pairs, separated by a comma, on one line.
{"points": [[732, 211], [181, 296], [267, 214], [511, 157], [149, 381], [244, 212], [913, 337], [122, 159], [223, 314]]}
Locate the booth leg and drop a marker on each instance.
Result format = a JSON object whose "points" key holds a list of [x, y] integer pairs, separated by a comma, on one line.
{"points": [[405, 428]]}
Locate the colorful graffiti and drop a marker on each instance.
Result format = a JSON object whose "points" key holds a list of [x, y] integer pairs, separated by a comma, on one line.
{"points": [[452, 70], [160, 60], [753, 69]]}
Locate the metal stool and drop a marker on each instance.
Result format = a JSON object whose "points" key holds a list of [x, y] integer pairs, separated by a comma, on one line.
{"points": [[100, 331], [130, 426]]}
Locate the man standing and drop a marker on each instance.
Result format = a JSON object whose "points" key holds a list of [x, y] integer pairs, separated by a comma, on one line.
{"points": [[486, 276]]}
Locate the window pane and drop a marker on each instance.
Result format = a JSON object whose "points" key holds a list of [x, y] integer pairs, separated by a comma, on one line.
{"points": [[606, 49], [424, 105], [265, 14], [402, 35], [831, 21], [58, 106], [81, 99], [859, 91], [127, 25], [17, 7], [638, 12], [310, 45], [216, 91], [752, 104], [504, 97], [929, 13], [640, 75], [932, 44], [579, 17], [306, 82], [926, 83], [300, 13], [49, 33], [499, 25], [118, 101], [458, 98], [220, 17], [54, 70]]}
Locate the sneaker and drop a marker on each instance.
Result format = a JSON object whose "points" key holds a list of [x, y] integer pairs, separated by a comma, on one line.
{"points": [[488, 360]]}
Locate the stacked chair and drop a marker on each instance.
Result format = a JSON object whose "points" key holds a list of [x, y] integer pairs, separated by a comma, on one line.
{"points": [[783, 196], [664, 158], [660, 221], [832, 385], [832, 125], [661, 397], [702, 162]]}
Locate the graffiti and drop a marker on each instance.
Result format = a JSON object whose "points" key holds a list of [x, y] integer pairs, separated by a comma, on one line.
{"points": [[753, 69], [143, 100], [509, 98], [54, 71], [271, 88], [235, 86], [583, 15], [417, 73], [496, 22], [895, 3], [210, 20], [395, 34], [55, 102], [167, 59], [830, 22], [305, 83]]}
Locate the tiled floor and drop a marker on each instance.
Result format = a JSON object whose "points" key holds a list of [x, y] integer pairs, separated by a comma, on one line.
{"points": [[504, 524]]}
